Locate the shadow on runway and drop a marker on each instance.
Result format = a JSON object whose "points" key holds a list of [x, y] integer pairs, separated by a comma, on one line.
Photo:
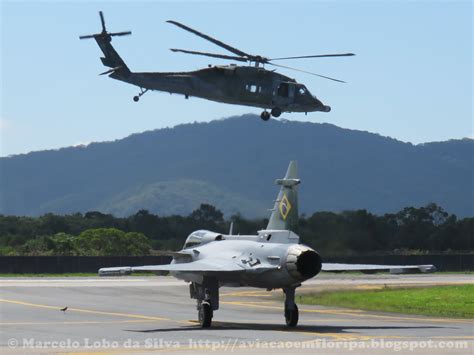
{"points": [[278, 327]]}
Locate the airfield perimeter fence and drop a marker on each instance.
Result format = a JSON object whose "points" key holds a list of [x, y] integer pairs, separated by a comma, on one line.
{"points": [[90, 264]]}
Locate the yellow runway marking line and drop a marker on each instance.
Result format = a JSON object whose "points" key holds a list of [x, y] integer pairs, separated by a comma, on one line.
{"points": [[356, 313], [115, 314], [79, 322]]}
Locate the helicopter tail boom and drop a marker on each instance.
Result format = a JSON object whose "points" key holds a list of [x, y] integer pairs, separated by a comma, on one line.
{"points": [[111, 58]]}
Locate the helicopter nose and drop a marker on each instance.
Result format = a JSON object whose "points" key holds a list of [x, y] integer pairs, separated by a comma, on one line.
{"points": [[326, 109]]}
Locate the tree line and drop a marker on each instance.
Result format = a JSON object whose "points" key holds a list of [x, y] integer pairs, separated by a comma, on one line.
{"points": [[411, 230]]}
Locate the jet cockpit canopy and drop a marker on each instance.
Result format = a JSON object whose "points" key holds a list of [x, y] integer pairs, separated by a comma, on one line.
{"points": [[200, 237]]}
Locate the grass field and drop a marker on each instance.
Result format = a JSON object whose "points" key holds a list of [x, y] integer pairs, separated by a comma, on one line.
{"points": [[444, 301]]}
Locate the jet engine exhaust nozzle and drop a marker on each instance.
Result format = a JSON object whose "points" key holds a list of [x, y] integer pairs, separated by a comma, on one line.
{"points": [[303, 262]]}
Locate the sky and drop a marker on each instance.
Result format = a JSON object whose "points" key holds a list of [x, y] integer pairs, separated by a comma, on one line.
{"points": [[411, 78]]}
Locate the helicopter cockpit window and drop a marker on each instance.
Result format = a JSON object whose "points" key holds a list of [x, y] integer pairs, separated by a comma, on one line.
{"points": [[302, 91], [283, 90]]}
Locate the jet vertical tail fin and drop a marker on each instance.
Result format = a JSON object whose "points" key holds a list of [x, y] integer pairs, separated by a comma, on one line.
{"points": [[285, 211]]}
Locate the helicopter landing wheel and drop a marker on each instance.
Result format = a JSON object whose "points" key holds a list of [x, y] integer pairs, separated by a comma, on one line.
{"points": [[265, 115], [142, 92], [276, 112]]}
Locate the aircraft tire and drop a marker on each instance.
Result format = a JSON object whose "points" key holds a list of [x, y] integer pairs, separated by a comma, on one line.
{"points": [[265, 116], [291, 316], [276, 112], [136, 98], [205, 315]]}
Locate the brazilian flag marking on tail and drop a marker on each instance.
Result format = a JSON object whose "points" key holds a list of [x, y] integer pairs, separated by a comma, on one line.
{"points": [[284, 207], [285, 210]]}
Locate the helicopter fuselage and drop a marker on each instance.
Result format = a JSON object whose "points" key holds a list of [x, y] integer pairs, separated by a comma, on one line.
{"points": [[231, 84]]}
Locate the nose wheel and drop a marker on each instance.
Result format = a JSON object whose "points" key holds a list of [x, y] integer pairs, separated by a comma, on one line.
{"points": [[136, 98], [207, 296], [205, 314]]}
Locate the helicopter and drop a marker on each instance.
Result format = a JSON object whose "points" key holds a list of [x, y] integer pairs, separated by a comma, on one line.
{"points": [[248, 85]]}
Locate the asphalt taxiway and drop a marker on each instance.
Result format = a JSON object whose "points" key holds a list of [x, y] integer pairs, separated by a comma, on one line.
{"points": [[155, 314]]}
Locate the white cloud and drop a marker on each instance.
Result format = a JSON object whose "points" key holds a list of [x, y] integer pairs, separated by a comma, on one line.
{"points": [[81, 144]]}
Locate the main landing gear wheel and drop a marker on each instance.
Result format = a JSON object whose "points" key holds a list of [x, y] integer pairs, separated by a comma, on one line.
{"points": [[136, 98], [205, 315], [265, 115], [276, 112], [291, 316]]}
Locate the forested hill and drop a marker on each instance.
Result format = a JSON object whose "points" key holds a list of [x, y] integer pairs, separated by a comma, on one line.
{"points": [[232, 164]]}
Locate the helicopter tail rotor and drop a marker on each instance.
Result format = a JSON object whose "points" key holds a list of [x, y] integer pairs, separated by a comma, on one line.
{"points": [[104, 32]]}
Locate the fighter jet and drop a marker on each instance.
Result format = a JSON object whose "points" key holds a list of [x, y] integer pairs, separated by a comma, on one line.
{"points": [[272, 259]]}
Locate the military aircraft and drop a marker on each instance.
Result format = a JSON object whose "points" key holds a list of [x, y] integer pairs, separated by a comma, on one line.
{"points": [[250, 85], [272, 259]]}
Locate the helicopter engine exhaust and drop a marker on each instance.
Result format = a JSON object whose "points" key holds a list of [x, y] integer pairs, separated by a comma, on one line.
{"points": [[303, 262]]}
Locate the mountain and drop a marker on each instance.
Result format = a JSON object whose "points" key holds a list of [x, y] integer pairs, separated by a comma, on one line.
{"points": [[232, 164]]}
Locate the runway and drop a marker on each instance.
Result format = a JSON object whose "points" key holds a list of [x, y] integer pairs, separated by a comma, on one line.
{"points": [[155, 314]]}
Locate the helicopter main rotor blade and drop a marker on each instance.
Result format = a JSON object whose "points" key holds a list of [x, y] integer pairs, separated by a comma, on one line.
{"points": [[213, 55], [102, 21], [306, 72], [126, 33], [210, 39], [315, 56]]}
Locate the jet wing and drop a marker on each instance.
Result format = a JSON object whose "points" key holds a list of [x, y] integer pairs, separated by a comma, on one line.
{"points": [[198, 266], [372, 268]]}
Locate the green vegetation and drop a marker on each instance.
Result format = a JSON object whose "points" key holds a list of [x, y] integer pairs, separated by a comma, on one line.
{"points": [[91, 242], [443, 301], [410, 231]]}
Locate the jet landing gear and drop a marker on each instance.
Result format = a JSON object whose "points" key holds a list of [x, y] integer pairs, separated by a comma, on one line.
{"points": [[275, 112], [137, 97], [207, 296], [291, 309]]}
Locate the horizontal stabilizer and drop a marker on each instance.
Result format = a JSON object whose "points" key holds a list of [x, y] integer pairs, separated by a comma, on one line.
{"points": [[372, 268], [111, 70], [287, 182]]}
